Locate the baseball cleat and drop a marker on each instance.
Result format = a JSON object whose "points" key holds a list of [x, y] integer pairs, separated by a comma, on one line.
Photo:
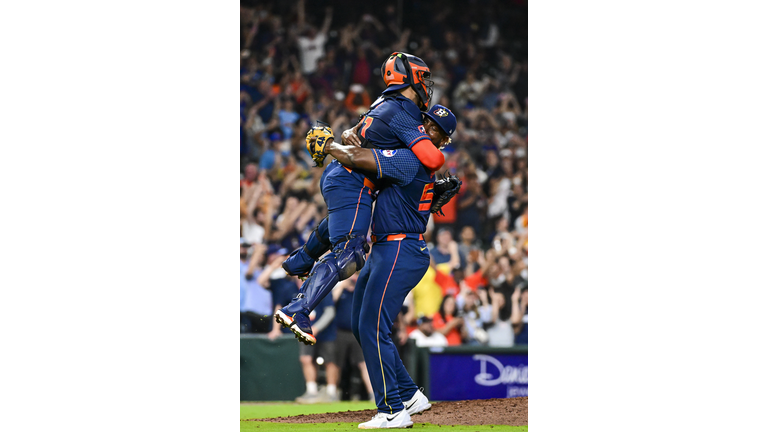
{"points": [[398, 420], [299, 263], [417, 404], [298, 323]]}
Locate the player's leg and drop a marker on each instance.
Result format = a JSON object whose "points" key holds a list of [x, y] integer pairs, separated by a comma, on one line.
{"points": [[335, 184], [348, 196], [301, 261], [357, 295], [414, 400], [405, 383], [390, 281]]}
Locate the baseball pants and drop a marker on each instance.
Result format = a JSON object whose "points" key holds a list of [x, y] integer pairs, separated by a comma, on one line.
{"points": [[393, 269], [348, 195]]}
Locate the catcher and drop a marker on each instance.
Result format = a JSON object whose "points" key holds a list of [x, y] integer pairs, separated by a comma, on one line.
{"points": [[394, 122], [398, 260]]}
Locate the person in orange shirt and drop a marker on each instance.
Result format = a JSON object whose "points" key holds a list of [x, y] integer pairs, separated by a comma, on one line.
{"points": [[357, 100], [448, 323]]}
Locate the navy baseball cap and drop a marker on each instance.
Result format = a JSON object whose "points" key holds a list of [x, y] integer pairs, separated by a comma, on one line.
{"points": [[443, 117]]}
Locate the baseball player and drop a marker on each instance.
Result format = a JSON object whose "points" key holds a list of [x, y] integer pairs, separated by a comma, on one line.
{"points": [[394, 121], [398, 260]]}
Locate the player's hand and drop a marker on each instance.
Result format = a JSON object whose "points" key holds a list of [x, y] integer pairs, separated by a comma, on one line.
{"points": [[453, 246], [349, 136], [317, 138]]}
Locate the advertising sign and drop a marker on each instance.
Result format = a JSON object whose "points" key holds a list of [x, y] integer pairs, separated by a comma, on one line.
{"points": [[459, 376]]}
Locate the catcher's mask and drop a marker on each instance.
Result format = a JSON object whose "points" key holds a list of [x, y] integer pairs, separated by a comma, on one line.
{"points": [[403, 70]]}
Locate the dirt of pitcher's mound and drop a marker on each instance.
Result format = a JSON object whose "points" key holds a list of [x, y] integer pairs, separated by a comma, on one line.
{"points": [[512, 411]]}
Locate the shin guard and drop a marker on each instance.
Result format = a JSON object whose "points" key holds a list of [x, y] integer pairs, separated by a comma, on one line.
{"points": [[346, 258]]}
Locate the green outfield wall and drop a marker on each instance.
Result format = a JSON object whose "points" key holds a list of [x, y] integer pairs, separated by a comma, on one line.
{"points": [[270, 369]]}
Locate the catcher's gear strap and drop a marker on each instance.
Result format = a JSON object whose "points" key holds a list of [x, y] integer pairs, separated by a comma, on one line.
{"points": [[350, 255], [445, 189], [347, 257]]}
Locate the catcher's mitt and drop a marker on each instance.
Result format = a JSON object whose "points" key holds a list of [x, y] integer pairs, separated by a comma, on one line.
{"points": [[316, 140], [445, 189]]}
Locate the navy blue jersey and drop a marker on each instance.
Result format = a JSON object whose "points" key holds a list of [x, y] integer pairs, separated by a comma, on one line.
{"points": [[403, 206], [393, 122], [344, 310]]}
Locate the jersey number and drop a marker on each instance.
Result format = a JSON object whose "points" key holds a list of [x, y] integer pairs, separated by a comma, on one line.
{"points": [[426, 197], [366, 124]]}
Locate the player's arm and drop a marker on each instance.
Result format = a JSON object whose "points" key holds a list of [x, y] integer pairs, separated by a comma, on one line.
{"points": [[399, 166], [429, 155], [351, 156]]}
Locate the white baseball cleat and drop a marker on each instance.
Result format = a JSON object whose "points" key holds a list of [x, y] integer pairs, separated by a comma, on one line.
{"points": [[418, 404], [398, 420]]}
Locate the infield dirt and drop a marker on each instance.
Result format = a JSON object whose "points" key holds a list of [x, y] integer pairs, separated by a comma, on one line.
{"points": [[512, 411]]}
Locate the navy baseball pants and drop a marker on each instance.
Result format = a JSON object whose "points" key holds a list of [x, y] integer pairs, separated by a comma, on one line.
{"points": [[396, 264], [348, 196]]}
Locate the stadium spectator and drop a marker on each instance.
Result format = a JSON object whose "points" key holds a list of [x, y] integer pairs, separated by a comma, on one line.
{"points": [[520, 318], [255, 300], [427, 295], [476, 314], [426, 336], [324, 329], [470, 203], [469, 242], [312, 42], [446, 251], [357, 100], [347, 347], [448, 322]]}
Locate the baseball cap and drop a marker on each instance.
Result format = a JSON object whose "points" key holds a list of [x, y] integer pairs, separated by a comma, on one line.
{"points": [[423, 319], [244, 242], [443, 117]]}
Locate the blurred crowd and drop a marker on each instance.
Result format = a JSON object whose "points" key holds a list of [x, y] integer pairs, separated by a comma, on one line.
{"points": [[305, 61]]}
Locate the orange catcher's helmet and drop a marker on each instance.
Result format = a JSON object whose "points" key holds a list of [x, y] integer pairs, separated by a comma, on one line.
{"points": [[403, 70]]}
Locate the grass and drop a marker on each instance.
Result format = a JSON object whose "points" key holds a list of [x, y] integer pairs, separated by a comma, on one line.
{"points": [[278, 409], [266, 410]]}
